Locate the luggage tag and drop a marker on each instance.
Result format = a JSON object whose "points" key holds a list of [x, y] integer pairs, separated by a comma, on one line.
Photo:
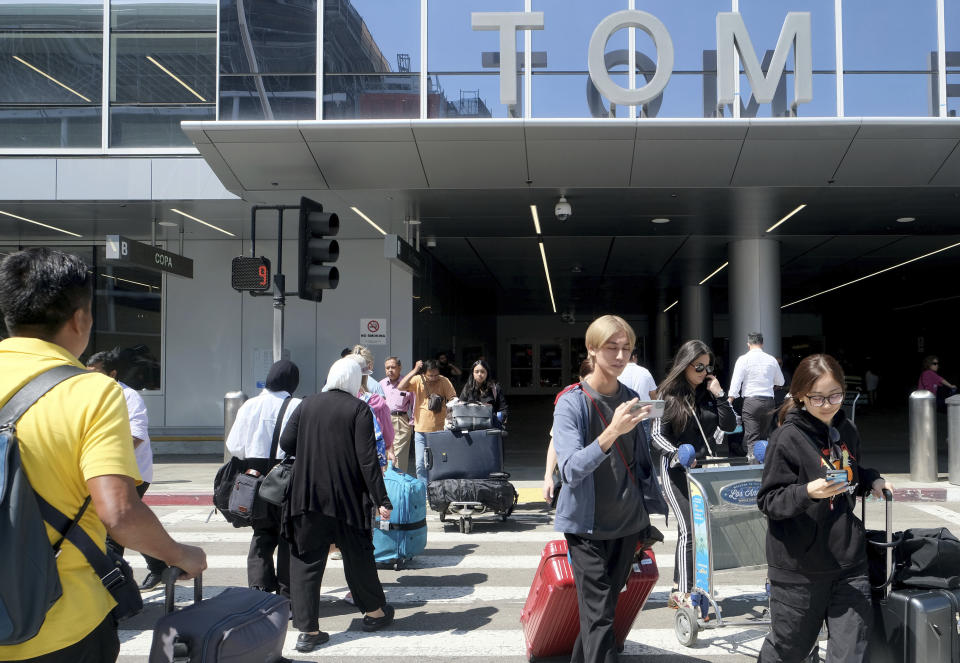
{"points": [[385, 525]]}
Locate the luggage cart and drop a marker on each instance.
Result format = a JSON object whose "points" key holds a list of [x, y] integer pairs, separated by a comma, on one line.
{"points": [[729, 532]]}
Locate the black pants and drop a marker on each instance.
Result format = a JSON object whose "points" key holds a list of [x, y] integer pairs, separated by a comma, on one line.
{"points": [[674, 482], [757, 421], [600, 570], [100, 646], [306, 568], [260, 567], [154, 565], [798, 610]]}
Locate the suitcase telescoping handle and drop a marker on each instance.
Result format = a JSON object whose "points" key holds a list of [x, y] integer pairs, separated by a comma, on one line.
{"points": [[890, 542], [171, 576]]}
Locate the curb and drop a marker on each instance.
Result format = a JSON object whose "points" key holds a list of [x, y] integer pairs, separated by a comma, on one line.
{"points": [[182, 499]]}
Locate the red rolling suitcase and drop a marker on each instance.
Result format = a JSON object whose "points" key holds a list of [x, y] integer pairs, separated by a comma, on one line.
{"points": [[551, 618]]}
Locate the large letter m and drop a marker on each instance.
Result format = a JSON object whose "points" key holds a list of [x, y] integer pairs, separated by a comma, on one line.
{"points": [[732, 34]]}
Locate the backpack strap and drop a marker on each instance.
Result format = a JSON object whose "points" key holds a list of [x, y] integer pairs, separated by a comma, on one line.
{"points": [[31, 392], [278, 427]]}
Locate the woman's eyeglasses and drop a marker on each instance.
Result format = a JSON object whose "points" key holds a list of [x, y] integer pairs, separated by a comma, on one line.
{"points": [[820, 401], [700, 368]]}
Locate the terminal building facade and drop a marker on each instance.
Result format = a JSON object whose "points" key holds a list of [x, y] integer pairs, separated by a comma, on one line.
{"points": [[727, 166]]}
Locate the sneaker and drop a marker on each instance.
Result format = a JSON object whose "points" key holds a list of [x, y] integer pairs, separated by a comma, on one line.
{"points": [[336, 555], [377, 623], [679, 599], [349, 598], [307, 642], [151, 581]]}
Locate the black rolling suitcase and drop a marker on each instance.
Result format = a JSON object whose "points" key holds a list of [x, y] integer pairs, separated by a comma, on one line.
{"points": [[459, 455], [238, 625], [911, 625]]}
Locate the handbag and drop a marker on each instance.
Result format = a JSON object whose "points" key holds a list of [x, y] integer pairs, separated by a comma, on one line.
{"points": [[273, 488], [237, 483]]}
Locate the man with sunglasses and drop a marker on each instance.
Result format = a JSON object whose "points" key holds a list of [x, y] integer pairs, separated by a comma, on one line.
{"points": [[754, 376]]}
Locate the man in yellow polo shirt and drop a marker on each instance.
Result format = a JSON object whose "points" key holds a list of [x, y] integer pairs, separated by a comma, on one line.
{"points": [[74, 442]]}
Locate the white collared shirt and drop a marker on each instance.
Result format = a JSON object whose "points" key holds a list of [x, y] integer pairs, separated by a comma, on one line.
{"points": [[639, 379], [139, 424], [754, 375], [252, 432]]}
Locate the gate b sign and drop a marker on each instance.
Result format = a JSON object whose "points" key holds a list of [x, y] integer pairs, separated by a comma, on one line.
{"points": [[732, 39]]}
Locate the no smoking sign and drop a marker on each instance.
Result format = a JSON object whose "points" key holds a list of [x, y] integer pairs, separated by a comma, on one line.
{"points": [[373, 331]]}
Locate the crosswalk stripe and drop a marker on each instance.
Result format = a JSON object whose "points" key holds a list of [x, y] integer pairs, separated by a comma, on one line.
{"points": [[469, 561], [940, 512], [487, 643], [434, 539], [406, 594]]}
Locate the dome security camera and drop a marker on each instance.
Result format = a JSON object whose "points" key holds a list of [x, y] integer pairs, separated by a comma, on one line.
{"points": [[563, 210]]}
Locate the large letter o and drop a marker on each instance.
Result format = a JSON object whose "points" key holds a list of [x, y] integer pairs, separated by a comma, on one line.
{"points": [[630, 18]]}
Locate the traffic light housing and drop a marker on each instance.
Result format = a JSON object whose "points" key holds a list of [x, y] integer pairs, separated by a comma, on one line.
{"points": [[317, 251]]}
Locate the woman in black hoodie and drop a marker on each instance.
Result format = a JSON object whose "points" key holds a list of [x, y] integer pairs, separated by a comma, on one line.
{"points": [[816, 555]]}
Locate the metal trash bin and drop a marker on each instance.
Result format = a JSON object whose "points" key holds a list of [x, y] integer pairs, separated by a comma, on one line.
{"points": [[923, 436], [953, 439], [232, 400]]}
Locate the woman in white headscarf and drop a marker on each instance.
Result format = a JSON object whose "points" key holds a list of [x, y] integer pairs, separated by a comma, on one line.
{"points": [[335, 485]]}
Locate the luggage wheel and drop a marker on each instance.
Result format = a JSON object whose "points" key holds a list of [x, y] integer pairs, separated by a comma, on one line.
{"points": [[466, 525], [686, 626]]}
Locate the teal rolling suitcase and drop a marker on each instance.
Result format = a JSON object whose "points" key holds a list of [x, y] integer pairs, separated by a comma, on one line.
{"points": [[407, 533]]}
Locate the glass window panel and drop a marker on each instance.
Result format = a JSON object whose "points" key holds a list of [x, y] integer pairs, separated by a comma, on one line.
{"points": [[63, 16], [952, 24], [888, 95], [824, 102], [453, 45], [168, 16], [889, 35], [377, 96], [153, 126], [953, 94], [288, 97], [476, 95], [573, 95], [50, 74], [273, 37]]}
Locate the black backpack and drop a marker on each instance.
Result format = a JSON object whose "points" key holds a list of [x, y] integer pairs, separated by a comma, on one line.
{"points": [[29, 581]]}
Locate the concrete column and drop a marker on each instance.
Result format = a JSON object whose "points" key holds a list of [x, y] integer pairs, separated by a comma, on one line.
{"points": [[662, 350], [696, 315], [754, 280]]}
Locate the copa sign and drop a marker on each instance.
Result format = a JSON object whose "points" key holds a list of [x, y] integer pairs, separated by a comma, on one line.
{"points": [[732, 38], [123, 250]]}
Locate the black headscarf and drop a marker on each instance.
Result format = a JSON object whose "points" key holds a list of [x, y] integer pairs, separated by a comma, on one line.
{"points": [[283, 376]]}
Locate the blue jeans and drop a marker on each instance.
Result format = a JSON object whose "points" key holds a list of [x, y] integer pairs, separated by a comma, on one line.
{"points": [[419, 444]]}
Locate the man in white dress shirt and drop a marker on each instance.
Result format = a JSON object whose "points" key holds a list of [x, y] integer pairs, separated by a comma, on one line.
{"points": [[754, 376], [641, 381], [251, 439]]}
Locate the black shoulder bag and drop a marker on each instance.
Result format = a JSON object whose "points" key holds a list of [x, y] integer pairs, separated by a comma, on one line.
{"points": [[273, 488]]}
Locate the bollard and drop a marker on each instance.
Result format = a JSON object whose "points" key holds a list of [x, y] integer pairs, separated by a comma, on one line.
{"points": [[953, 439], [923, 437], [232, 400]]}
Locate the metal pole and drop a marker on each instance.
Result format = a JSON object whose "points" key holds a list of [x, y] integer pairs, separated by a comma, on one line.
{"points": [[279, 300], [232, 400], [923, 437], [953, 439]]}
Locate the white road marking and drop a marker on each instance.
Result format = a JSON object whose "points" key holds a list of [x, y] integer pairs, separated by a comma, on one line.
{"points": [[488, 644], [434, 539], [943, 513]]}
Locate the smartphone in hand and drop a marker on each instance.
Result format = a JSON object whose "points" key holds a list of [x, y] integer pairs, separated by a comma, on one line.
{"points": [[656, 409]]}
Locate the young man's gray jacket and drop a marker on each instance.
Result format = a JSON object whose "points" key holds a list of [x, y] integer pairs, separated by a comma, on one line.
{"points": [[578, 457]]}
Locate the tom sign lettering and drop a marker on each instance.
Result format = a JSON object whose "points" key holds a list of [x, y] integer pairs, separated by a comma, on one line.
{"points": [[732, 39], [123, 250]]}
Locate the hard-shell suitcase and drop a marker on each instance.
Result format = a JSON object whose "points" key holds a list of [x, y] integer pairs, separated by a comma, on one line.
{"points": [[238, 625], [551, 617], [407, 533], [912, 625], [458, 455], [472, 416]]}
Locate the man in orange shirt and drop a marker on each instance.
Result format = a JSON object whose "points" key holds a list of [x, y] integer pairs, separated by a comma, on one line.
{"points": [[431, 391]]}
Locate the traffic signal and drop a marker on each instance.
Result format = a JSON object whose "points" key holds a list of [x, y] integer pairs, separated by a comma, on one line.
{"points": [[316, 251]]}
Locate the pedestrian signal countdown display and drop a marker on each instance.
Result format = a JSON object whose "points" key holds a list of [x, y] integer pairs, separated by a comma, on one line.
{"points": [[250, 274], [317, 251]]}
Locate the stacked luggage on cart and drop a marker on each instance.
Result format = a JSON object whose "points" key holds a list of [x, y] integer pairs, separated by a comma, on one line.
{"points": [[465, 467]]}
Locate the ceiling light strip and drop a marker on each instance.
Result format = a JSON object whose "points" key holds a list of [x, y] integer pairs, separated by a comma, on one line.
{"points": [[714, 273], [37, 223], [863, 278], [536, 218], [51, 78], [546, 270], [671, 306], [176, 78], [786, 217], [369, 220], [209, 225]]}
